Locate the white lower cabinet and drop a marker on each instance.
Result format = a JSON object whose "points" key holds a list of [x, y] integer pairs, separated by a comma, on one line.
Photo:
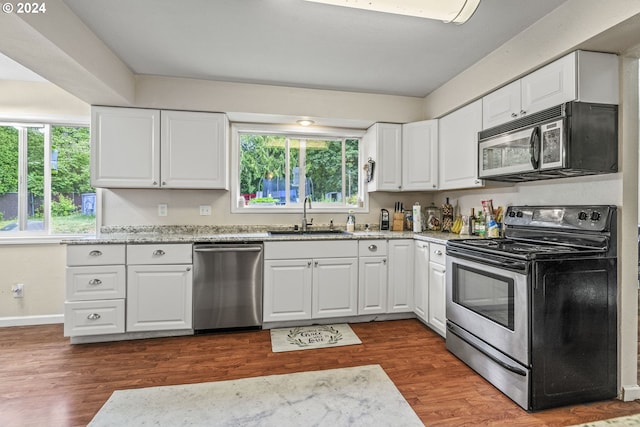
{"points": [[159, 287], [287, 289], [421, 280], [309, 280], [429, 285], [95, 290], [400, 287], [437, 293], [335, 287], [159, 297], [372, 277]]}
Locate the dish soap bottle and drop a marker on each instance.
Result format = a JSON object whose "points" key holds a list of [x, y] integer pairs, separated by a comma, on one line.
{"points": [[351, 222]]}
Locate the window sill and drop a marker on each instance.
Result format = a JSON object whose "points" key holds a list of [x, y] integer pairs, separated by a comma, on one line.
{"points": [[36, 239], [316, 211]]}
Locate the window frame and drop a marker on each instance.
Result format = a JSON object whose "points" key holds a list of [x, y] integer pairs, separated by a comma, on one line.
{"points": [[46, 235], [299, 132]]}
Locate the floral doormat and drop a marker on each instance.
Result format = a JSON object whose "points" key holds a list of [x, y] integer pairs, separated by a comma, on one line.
{"points": [[310, 337]]}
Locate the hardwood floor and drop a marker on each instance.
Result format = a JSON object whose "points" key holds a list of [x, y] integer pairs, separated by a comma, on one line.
{"points": [[45, 381]]}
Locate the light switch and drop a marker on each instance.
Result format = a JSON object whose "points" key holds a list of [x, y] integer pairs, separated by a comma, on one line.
{"points": [[205, 210], [163, 209]]}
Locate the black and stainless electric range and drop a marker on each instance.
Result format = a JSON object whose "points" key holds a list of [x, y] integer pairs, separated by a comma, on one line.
{"points": [[535, 312]]}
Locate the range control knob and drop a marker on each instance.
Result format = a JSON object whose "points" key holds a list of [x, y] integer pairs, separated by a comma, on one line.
{"points": [[595, 216], [582, 216]]}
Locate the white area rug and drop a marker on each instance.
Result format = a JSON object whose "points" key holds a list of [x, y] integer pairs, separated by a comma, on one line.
{"points": [[359, 396], [309, 337], [628, 421]]}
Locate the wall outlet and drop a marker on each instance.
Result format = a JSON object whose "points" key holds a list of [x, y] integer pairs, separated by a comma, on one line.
{"points": [[205, 210], [17, 290], [163, 209]]}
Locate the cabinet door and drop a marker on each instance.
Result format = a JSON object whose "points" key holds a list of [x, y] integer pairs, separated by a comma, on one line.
{"points": [[125, 147], [400, 295], [420, 155], [501, 106], [335, 287], [194, 150], [287, 290], [421, 280], [384, 141], [372, 285], [551, 85], [437, 298], [458, 148], [159, 297]]}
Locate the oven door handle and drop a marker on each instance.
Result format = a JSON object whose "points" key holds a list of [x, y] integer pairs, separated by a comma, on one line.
{"points": [[513, 265], [506, 366]]}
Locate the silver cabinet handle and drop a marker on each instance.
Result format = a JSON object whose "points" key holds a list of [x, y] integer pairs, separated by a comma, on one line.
{"points": [[373, 248], [158, 252], [384, 261], [155, 182], [95, 253], [522, 112], [316, 263], [514, 115], [95, 282], [308, 264], [188, 268], [164, 183], [437, 252], [93, 316]]}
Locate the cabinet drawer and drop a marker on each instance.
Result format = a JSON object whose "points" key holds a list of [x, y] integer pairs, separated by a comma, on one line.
{"points": [[372, 247], [95, 282], [93, 317], [95, 254], [438, 253], [159, 254]]}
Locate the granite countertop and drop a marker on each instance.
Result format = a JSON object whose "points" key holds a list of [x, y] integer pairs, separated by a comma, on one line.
{"points": [[192, 234]]}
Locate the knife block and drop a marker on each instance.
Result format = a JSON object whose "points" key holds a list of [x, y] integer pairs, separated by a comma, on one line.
{"points": [[398, 222]]}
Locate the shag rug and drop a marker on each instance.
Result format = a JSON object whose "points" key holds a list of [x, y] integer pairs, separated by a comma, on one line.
{"points": [[358, 396], [310, 337]]}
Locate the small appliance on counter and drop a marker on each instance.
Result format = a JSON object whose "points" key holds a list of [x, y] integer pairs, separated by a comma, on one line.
{"points": [[384, 219]]}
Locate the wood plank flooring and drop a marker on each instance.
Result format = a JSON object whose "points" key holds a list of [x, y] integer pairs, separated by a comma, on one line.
{"points": [[45, 381]]}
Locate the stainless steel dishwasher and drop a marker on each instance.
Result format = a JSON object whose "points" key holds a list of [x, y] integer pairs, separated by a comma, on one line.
{"points": [[227, 286]]}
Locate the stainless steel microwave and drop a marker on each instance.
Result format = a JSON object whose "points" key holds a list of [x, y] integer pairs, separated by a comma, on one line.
{"points": [[572, 139]]}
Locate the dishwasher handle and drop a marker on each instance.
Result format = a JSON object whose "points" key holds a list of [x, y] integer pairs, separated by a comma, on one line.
{"points": [[229, 249]]}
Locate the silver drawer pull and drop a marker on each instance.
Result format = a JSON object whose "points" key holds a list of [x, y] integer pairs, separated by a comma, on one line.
{"points": [[95, 253], [93, 316], [437, 252], [95, 282], [158, 252], [373, 248]]}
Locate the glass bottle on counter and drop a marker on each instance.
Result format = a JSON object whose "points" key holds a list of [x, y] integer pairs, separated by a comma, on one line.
{"points": [[472, 222], [351, 222], [480, 224]]}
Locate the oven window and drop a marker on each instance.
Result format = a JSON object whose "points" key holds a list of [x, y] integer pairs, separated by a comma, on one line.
{"points": [[486, 294]]}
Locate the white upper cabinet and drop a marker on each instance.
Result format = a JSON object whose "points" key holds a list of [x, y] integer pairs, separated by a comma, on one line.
{"points": [[384, 146], [405, 155], [194, 150], [142, 148], [420, 155], [581, 75], [458, 148], [125, 147]]}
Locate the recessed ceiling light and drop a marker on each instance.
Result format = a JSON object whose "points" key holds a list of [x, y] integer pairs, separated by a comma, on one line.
{"points": [[305, 122]]}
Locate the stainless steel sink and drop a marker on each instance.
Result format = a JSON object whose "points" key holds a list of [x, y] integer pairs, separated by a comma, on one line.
{"points": [[306, 233]]}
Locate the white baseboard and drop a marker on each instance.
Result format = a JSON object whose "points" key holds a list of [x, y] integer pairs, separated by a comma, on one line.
{"points": [[31, 320], [630, 393]]}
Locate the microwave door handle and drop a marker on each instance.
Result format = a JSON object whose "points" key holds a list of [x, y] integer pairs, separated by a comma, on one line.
{"points": [[534, 147]]}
